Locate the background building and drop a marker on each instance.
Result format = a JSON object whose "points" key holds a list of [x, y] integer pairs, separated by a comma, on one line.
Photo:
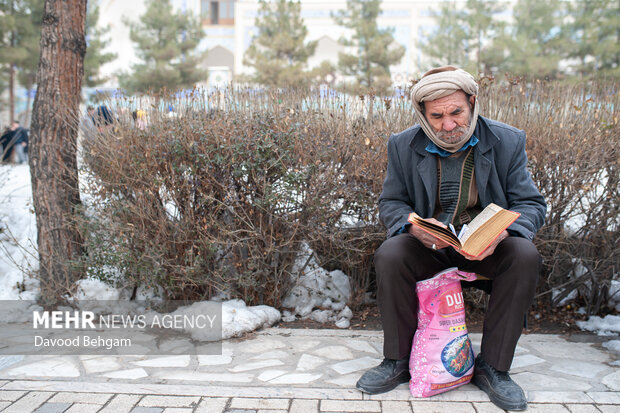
{"points": [[229, 27]]}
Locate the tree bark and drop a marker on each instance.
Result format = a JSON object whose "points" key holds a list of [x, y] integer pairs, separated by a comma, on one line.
{"points": [[53, 161]]}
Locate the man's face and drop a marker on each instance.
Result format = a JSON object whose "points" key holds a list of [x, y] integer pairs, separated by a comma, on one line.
{"points": [[450, 116], [14, 125]]}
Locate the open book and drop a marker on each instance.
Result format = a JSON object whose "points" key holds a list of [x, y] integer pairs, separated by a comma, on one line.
{"points": [[475, 236]]}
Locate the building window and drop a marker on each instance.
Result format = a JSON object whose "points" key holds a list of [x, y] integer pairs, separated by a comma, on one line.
{"points": [[204, 9], [215, 12], [219, 12]]}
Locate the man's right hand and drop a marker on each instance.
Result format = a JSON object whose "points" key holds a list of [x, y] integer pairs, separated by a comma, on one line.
{"points": [[427, 239]]}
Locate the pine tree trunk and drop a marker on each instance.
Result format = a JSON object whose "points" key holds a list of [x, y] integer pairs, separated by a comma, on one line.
{"points": [[54, 128], [11, 92]]}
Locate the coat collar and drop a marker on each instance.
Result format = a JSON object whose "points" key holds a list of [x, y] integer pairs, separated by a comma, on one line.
{"points": [[427, 166]]}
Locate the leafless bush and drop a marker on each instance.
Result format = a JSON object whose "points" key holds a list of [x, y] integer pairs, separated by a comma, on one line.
{"points": [[573, 135], [219, 196]]}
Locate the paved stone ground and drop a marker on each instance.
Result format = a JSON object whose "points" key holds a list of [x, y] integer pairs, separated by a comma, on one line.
{"points": [[283, 370]]}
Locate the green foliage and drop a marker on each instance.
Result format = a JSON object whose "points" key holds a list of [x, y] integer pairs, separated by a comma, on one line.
{"points": [[14, 22], [96, 43], [542, 34], [595, 37], [321, 72], [373, 48], [20, 32], [447, 44], [536, 44], [278, 53], [464, 37], [482, 28], [30, 34], [166, 43]]}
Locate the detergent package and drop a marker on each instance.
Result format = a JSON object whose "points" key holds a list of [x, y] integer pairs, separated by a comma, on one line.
{"points": [[442, 357]]}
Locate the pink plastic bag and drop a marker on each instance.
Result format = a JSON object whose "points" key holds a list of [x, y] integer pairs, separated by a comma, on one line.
{"points": [[442, 356]]}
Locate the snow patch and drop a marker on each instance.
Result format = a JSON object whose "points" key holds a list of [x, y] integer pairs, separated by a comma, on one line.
{"points": [[607, 326], [237, 318], [93, 289], [317, 294], [18, 235], [614, 347]]}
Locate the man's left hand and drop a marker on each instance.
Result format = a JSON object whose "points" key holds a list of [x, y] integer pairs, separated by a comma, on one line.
{"points": [[490, 249]]}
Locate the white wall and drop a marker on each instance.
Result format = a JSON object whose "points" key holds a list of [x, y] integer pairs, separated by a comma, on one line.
{"points": [[112, 13]]}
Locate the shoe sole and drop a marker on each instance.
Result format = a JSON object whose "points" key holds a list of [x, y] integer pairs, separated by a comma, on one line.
{"points": [[400, 379], [484, 385]]}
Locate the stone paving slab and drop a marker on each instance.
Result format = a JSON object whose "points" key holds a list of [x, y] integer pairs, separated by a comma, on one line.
{"points": [[84, 408], [296, 371], [121, 403], [35, 402]]}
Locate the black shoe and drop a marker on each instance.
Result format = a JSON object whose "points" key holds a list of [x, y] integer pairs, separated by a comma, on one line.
{"points": [[503, 392], [387, 375]]}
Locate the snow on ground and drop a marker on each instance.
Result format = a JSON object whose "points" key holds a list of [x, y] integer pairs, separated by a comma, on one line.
{"points": [[18, 235]]}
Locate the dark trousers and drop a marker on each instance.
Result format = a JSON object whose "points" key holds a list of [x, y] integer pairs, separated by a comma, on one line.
{"points": [[402, 260]]}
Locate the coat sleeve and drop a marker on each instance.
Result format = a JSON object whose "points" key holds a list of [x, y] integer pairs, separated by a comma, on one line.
{"points": [[523, 195], [394, 202]]}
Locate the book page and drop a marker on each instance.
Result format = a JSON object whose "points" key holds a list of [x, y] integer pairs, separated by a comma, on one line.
{"points": [[435, 230], [479, 240], [480, 219]]}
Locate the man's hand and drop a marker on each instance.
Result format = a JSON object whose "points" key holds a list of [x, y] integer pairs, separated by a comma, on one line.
{"points": [[427, 239], [490, 249]]}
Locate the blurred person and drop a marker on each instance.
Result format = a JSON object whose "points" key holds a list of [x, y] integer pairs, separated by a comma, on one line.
{"points": [[103, 119], [20, 139], [6, 144], [447, 169], [139, 118], [88, 121]]}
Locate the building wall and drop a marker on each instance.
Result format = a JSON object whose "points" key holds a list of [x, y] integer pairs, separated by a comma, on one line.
{"points": [[114, 13], [405, 17], [409, 19]]}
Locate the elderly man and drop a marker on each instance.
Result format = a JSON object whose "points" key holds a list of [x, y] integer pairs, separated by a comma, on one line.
{"points": [[448, 169]]}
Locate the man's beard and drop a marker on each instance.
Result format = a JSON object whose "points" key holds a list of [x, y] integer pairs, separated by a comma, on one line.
{"points": [[456, 134]]}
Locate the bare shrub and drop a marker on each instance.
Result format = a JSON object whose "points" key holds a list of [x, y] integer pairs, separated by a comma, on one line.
{"points": [[220, 195], [573, 135]]}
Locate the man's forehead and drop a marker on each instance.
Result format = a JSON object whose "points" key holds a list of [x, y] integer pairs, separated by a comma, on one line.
{"points": [[458, 96]]}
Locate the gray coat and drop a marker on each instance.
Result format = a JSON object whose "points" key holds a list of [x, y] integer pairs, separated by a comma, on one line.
{"points": [[500, 168]]}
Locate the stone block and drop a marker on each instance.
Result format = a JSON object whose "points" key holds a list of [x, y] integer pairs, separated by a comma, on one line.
{"points": [[255, 403], [350, 406], [169, 401]]}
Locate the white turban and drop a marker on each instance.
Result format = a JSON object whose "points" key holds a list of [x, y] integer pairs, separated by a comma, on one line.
{"points": [[440, 84]]}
